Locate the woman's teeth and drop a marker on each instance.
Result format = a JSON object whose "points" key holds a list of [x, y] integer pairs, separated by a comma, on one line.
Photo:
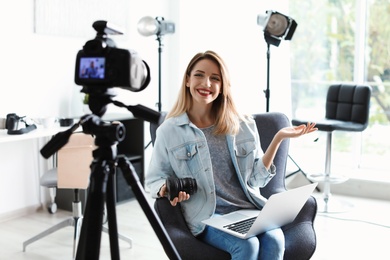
{"points": [[204, 92]]}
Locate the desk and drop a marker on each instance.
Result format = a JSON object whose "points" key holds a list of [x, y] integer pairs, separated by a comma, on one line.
{"points": [[21, 167], [46, 132], [34, 134]]}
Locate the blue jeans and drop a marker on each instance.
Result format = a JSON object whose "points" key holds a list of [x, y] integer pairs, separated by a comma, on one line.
{"points": [[266, 246]]}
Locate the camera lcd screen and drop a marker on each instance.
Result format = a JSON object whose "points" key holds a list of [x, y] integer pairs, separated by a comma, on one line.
{"points": [[92, 68]]}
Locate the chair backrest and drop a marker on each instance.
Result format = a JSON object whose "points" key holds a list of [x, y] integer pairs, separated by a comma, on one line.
{"points": [[268, 124], [74, 160], [153, 126], [349, 103]]}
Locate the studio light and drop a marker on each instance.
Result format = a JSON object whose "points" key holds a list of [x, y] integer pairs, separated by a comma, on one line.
{"points": [[276, 26], [149, 26]]}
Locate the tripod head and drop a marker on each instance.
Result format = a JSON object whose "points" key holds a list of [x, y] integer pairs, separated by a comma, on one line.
{"points": [[107, 134]]}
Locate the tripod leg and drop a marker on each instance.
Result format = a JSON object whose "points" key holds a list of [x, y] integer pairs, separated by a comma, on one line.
{"points": [[111, 215], [299, 170], [132, 179], [91, 229]]}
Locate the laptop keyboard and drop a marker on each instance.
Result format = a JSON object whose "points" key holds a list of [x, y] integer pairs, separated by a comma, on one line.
{"points": [[241, 226]]}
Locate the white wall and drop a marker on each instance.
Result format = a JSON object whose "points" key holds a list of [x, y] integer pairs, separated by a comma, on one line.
{"points": [[37, 71]]}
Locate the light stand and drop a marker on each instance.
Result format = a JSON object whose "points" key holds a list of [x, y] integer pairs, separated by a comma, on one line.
{"points": [[266, 91], [159, 39], [149, 26], [276, 27]]}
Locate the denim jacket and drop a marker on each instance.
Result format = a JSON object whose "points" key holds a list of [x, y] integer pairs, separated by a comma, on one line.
{"points": [[181, 150]]}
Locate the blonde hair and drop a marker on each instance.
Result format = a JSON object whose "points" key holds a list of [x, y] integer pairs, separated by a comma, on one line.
{"points": [[223, 108]]}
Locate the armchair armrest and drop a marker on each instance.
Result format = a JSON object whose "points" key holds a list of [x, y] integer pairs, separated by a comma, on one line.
{"points": [[188, 246], [300, 235]]}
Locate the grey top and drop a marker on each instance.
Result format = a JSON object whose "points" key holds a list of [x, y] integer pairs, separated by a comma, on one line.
{"points": [[230, 196]]}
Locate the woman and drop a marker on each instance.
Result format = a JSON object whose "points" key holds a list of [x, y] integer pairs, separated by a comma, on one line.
{"points": [[204, 137]]}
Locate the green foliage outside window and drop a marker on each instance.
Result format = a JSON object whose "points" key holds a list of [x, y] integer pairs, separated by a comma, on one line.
{"points": [[323, 51]]}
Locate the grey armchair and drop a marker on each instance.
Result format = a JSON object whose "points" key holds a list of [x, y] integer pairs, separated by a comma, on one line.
{"points": [[299, 235]]}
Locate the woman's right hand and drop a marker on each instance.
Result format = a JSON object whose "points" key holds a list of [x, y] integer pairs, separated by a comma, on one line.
{"points": [[180, 197]]}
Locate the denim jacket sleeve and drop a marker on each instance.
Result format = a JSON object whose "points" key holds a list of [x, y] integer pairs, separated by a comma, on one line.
{"points": [[159, 167]]}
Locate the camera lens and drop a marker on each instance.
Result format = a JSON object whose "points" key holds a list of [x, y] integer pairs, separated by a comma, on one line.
{"points": [[11, 122], [175, 185]]}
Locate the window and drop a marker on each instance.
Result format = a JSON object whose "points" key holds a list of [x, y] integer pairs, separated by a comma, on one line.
{"points": [[344, 41]]}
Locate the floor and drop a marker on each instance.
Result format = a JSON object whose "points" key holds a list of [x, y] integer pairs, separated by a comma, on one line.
{"points": [[360, 233]]}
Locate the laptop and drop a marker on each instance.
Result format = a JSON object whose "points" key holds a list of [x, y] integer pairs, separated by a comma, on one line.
{"points": [[280, 209]]}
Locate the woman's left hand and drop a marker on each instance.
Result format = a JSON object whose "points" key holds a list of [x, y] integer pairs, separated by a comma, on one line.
{"points": [[296, 131], [287, 132]]}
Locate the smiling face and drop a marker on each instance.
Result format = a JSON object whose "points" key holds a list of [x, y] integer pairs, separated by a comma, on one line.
{"points": [[204, 82]]}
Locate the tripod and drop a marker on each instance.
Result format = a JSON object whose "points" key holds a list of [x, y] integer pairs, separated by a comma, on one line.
{"points": [[103, 169], [101, 190]]}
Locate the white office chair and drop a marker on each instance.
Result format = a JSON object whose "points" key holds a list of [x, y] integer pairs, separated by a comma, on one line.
{"points": [[72, 172]]}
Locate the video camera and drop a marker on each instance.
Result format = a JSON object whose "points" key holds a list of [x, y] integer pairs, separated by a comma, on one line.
{"points": [[101, 65]]}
